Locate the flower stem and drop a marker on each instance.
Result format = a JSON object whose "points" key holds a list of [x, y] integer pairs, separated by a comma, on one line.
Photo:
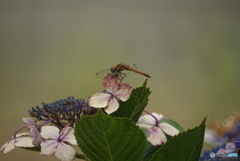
{"points": [[14, 135], [152, 116]]}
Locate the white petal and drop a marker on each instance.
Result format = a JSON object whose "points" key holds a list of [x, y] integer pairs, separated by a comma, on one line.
{"points": [[158, 116], [65, 152], [155, 136], [4, 146], [7, 147], [147, 121], [144, 125], [21, 140], [169, 129], [49, 147], [99, 99], [50, 132], [112, 106], [68, 136], [123, 92], [25, 134], [24, 142]]}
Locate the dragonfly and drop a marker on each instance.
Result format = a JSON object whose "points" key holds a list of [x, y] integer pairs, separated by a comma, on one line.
{"points": [[121, 68]]}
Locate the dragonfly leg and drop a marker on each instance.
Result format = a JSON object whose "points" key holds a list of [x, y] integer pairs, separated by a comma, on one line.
{"points": [[122, 75]]}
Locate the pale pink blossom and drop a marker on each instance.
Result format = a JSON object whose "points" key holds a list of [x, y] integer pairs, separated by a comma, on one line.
{"points": [[211, 137], [21, 140], [229, 148], [58, 143], [221, 132], [115, 91], [155, 130], [34, 131]]}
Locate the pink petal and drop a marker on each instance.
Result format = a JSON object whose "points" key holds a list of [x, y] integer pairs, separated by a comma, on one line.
{"points": [[230, 147], [111, 83], [65, 152], [155, 136], [112, 106], [99, 99], [123, 92], [37, 139], [221, 151], [68, 136], [50, 132], [49, 147], [29, 122], [169, 129]]}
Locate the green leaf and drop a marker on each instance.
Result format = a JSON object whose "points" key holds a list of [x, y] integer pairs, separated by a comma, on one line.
{"points": [[103, 138], [184, 147], [134, 106], [150, 150], [81, 156], [32, 148], [173, 123]]}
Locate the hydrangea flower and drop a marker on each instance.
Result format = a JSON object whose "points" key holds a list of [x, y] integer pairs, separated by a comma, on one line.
{"points": [[34, 132], [58, 143], [64, 109], [154, 129], [21, 140], [211, 155], [225, 134], [211, 137], [229, 148], [222, 131], [114, 91]]}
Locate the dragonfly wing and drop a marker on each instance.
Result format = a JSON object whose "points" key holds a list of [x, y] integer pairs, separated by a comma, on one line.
{"points": [[102, 73], [134, 66], [129, 72]]}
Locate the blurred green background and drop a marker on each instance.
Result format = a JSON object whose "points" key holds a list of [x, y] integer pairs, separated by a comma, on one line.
{"points": [[52, 49]]}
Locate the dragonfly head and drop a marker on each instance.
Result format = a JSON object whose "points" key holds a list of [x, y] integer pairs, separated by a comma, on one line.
{"points": [[113, 69]]}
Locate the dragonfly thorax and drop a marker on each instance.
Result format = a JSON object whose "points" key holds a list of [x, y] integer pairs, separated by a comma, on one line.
{"points": [[118, 68]]}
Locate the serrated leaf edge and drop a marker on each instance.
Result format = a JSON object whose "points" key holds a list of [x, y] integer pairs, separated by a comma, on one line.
{"points": [[179, 135], [117, 118]]}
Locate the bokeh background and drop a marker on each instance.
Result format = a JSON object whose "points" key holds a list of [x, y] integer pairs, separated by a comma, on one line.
{"points": [[52, 49]]}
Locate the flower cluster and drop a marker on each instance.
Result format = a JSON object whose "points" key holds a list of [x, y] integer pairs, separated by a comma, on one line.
{"points": [[222, 131], [219, 153], [69, 109], [56, 139], [226, 135], [49, 138], [62, 114]]}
